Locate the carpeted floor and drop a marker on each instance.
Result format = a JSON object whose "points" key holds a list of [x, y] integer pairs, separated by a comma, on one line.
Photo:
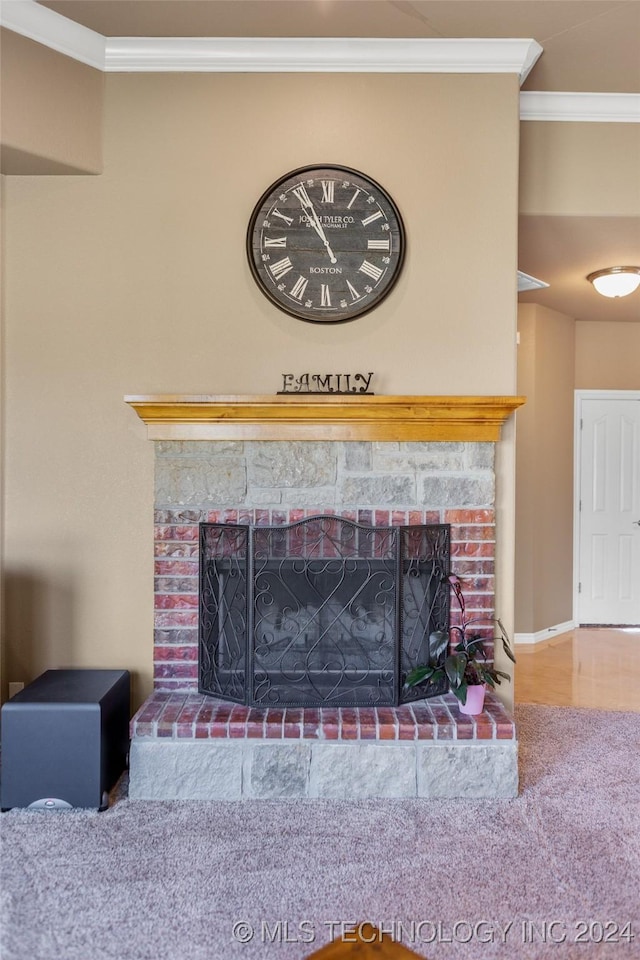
{"points": [[448, 878]]}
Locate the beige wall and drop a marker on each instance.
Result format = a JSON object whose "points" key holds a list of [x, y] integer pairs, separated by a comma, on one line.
{"points": [[608, 356], [51, 110], [143, 286], [580, 169], [544, 470]]}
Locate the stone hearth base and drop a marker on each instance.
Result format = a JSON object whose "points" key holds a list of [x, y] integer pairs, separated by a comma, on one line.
{"points": [[186, 746]]}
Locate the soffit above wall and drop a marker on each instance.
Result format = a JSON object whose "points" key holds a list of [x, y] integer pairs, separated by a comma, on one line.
{"points": [[563, 250]]}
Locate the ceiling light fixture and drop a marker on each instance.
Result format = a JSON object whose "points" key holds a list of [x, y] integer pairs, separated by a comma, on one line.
{"points": [[616, 281]]}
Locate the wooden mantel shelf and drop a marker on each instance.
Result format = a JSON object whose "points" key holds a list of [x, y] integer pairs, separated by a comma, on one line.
{"points": [[323, 417]]}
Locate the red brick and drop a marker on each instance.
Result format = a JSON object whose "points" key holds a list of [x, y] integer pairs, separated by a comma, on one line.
{"points": [[176, 618], [176, 568], [185, 684], [176, 601], [175, 652], [175, 671], [273, 723], [406, 723], [387, 724], [367, 721], [479, 601], [311, 723], [473, 566], [151, 710], [469, 516], [238, 722], [184, 532], [349, 727], [479, 549], [464, 727], [330, 723], [475, 532], [505, 730], [484, 728], [292, 727], [424, 721], [255, 723], [172, 549], [142, 728]]}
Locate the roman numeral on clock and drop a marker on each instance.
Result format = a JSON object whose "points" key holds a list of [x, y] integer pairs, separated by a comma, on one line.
{"points": [[378, 244], [328, 188], [374, 216], [297, 290], [370, 269], [325, 295], [276, 213], [281, 267], [277, 242], [352, 290], [302, 195]]}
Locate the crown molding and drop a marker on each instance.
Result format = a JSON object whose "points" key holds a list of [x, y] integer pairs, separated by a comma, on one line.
{"points": [[52, 30], [321, 55], [314, 417], [580, 107]]}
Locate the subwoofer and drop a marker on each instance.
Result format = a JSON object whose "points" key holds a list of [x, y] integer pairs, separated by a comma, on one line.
{"points": [[65, 740]]}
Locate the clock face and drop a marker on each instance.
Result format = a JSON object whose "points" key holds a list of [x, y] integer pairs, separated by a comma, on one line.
{"points": [[325, 243]]}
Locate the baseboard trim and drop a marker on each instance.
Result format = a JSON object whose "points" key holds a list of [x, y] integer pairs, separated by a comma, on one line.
{"points": [[541, 635]]}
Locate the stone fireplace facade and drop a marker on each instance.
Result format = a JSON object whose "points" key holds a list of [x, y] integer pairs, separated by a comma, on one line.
{"points": [[272, 483]]}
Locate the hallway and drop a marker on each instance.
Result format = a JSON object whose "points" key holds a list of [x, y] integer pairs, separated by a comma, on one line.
{"points": [[587, 667]]}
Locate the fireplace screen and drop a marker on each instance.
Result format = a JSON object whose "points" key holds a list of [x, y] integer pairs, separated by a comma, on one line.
{"points": [[323, 612]]}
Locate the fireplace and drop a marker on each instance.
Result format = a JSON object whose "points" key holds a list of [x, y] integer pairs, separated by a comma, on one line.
{"points": [[322, 612], [266, 476]]}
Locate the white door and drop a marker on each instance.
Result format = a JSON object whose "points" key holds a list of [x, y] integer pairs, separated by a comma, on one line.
{"points": [[609, 510]]}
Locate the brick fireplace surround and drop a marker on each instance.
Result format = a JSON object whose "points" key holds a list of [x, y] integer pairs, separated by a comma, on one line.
{"points": [[252, 461]]}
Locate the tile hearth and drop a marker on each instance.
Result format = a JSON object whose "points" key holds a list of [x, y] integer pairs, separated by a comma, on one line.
{"points": [[189, 746]]}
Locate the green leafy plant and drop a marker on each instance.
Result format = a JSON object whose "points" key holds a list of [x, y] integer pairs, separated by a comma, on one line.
{"points": [[467, 664]]}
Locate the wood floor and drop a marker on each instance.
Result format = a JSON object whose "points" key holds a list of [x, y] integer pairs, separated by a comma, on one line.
{"points": [[589, 667]]}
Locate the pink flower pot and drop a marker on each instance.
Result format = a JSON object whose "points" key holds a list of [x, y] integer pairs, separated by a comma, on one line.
{"points": [[475, 700]]}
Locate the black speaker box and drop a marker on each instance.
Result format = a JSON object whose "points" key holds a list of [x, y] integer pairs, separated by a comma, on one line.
{"points": [[65, 740]]}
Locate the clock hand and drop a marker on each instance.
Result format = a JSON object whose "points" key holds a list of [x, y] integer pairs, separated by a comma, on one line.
{"points": [[318, 228], [315, 222]]}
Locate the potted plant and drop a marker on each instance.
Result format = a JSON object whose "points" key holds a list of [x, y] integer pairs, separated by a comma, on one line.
{"points": [[466, 667]]}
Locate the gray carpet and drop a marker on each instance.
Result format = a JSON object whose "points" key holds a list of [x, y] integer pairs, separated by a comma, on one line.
{"points": [[149, 881]]}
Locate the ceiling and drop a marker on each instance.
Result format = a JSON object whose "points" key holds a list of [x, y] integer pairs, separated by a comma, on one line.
{"points": [[589, 46]]}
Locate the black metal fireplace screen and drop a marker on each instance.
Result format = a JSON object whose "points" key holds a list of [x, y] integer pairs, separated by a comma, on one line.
{"points": [[323, 612]]}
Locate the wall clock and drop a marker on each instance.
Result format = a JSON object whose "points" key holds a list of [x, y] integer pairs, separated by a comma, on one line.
{"points": [[325, 243]]}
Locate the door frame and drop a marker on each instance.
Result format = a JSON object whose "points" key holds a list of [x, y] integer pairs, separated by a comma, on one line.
{"points": [[579, 396]]}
